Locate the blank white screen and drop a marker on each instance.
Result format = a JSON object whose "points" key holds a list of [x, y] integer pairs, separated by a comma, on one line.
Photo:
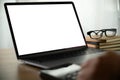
{"points": [[39, 28]]}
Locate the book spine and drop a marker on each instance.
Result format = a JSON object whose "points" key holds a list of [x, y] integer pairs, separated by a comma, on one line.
{"points": [[92, 45], [112, 40], [116, 49], [109, 43], [95, 43], [109, 46]]}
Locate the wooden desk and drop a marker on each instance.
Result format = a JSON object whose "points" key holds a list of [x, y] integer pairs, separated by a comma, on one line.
{"points": [[11, 69]]}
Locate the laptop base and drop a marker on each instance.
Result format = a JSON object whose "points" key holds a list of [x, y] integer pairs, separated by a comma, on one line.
{"points": [[63, 62]]}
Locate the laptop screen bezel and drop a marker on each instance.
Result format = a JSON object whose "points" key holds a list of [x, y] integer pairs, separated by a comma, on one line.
{"points": [[47, 52]]}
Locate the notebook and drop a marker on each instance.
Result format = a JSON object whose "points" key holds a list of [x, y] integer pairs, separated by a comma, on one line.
{"points": [[46, 34]]}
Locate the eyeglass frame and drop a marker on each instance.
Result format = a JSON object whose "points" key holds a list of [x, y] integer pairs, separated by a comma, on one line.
{"points": [[103, 31]]}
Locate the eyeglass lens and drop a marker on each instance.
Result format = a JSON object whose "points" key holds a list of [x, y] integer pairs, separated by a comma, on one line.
{"points": [[96, 34], [110, 33]]}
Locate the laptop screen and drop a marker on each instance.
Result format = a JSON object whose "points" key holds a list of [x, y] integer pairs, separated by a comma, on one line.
{"points": [[41, 27]]}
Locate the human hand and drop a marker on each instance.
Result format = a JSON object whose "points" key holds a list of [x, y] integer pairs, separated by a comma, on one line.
{"points": [[104, 67]]}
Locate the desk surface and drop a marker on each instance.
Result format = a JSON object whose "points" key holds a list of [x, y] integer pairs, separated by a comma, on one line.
{"points": [[11, 69]]}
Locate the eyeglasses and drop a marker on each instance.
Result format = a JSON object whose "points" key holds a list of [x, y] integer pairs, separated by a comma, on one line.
{"points": [[96, 34]]}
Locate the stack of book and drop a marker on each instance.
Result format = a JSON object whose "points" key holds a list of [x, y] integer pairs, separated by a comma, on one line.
{"points": [[112, 43]]}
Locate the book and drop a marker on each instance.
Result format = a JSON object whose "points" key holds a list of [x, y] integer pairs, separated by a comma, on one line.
{"points": [[95, 43], [110, 46], [110, 43], [89, 40], [112, 39], [114, 49], [92, 45], [103, 39]]}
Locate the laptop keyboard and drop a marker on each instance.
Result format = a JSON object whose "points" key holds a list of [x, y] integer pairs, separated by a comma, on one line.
{"points": [[39, 59], [58, 56]]}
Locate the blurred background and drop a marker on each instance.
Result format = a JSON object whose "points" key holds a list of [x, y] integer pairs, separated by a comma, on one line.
{"points": [[93, 15]]}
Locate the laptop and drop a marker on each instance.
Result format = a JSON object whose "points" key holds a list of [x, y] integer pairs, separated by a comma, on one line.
{"points": [[46, 34]]}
